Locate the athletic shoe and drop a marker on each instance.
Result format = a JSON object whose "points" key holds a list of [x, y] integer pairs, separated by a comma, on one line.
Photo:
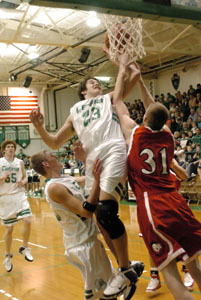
{"points": [[128, 292], [153, 285], [138, 267], [26, 252], [188, 281], [8, 262], [120, 282]]}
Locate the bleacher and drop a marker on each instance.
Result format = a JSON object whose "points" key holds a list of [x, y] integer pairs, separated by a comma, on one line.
{"points": [[191, 190]]}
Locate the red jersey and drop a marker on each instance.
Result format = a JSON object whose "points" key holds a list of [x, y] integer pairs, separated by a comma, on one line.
{"points": [[149, 157]]}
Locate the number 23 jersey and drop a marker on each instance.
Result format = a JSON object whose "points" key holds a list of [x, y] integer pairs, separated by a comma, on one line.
{"points": [[149, 157], [95, 122]]}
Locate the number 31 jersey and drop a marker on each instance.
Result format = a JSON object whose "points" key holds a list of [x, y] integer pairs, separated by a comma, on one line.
{"points": [[95, 122], [149, 157]]}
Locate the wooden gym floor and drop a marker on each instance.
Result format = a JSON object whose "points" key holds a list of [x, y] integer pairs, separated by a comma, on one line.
{"points": [[50, 276]]}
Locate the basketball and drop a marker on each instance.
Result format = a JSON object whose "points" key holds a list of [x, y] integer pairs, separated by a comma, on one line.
{"points": [[107, 41], [119, 37]]}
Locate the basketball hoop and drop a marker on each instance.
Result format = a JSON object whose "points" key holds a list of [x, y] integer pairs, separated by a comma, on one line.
{"points": [[123, 34]]}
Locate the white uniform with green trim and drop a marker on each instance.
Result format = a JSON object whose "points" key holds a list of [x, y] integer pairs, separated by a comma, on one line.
{"points": [[82, 248], [13, 201], [97, 126]]}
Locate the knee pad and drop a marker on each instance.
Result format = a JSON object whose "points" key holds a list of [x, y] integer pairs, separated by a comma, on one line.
{"points": [[107, 216]]}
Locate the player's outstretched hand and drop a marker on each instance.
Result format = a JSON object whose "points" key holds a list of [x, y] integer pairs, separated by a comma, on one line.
{"points": [[79, 152], [36, 117]]}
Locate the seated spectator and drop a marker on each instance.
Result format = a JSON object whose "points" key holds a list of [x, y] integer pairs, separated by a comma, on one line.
{"points": [[183, 118], [177, 136], [191, 90], [180, 125], [174, 125], [185, 127], [193, 114], [199, 122], [180, 156], [192, 103], [183, 140], [192, 168], [194, 127], [184, 106], [188, 155], [197, 136], [198, 89]]}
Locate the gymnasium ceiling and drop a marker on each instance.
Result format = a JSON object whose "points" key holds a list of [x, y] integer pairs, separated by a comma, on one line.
{"points": [[59, 35]]}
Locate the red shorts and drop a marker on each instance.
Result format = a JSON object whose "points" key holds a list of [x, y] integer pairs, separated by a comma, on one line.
{"points": [[169, 228]]}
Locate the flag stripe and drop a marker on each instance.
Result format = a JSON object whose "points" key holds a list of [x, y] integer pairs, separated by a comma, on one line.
{"points": [[16, 109]]}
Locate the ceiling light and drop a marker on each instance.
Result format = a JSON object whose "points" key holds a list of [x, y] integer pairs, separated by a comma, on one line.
{"points": [[93, 20], [33, 55]]}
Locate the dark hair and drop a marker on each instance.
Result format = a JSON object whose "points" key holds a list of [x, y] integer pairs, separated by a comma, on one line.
{"points": [[82, 85], [157, 115], [6, 142]]}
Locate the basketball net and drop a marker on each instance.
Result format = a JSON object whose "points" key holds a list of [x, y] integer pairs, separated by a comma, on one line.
{"points": [[125, 34]]}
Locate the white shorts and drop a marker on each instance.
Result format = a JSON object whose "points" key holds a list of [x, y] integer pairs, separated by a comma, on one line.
{"points": [[114, 173], [91, 259], [13, 208]]}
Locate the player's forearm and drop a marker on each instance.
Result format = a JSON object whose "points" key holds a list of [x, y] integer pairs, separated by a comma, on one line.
{"points": [[133, 76], [179, 171], [3, 178], [94, 194], [146, 96], [119, 85], [49, 139]]}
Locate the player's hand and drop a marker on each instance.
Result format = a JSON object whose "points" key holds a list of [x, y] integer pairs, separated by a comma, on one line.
{"points": [[36, 117], [79, 152], [20, 183], [6, 175], [97, 169]]}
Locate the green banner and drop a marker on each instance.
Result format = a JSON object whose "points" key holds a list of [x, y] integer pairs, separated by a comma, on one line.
{"points": [[10, 133], [1, 134], [23, 136]]}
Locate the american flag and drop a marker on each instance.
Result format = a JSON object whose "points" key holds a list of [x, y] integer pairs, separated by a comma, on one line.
{"points": [[16, 109]]}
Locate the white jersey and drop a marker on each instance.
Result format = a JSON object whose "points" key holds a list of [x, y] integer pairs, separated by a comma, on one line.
{"points": [[30, 173], [76, 229], [95, 122], [97, 126], [10, 186]]}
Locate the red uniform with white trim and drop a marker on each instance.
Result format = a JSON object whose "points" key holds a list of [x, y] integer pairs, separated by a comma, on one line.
{"points": [[168, 226]]}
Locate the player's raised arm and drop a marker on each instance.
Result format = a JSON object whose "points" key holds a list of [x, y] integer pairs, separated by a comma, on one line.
{"points": [[127, 124], [146, 96], [53, 141]]}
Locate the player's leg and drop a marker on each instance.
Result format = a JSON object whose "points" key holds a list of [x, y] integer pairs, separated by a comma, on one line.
{"points": [[174, 282], [8, 236], [107, 239], [154, 282], [26, 230], [188, 280], [194, 268], [107, 215]]}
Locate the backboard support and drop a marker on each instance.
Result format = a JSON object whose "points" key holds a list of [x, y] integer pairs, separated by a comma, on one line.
{"points": [[175, 11]]}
